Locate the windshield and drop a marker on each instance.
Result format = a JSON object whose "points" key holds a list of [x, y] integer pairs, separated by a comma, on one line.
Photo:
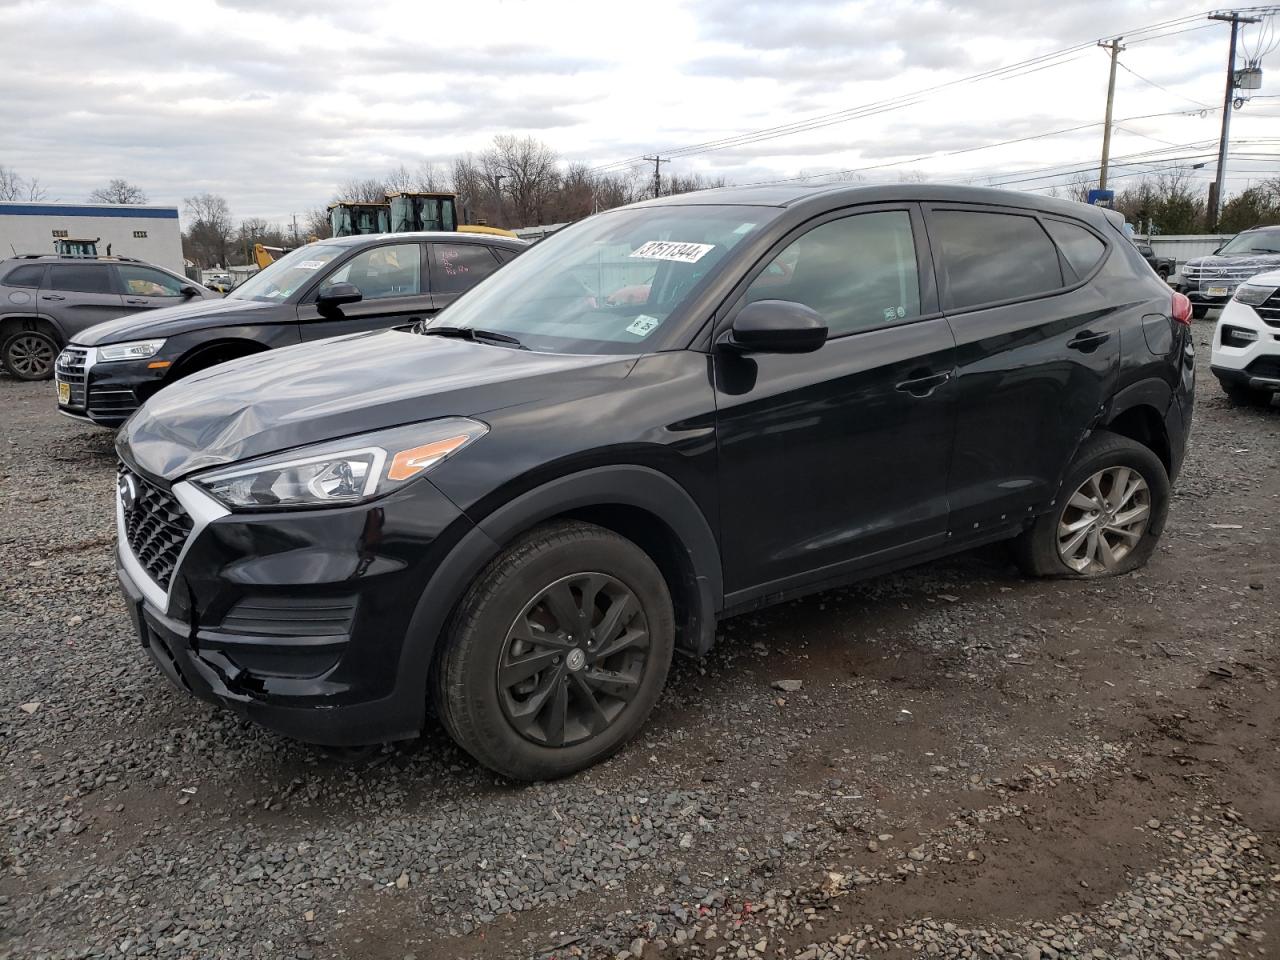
{"points": [[609, 283], [1261, 241], [279, 281]]}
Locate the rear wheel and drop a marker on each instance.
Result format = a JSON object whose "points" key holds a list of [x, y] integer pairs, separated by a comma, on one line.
{"points": [[1245, 395], [557, 653], [29, 355], [1108, 516]]}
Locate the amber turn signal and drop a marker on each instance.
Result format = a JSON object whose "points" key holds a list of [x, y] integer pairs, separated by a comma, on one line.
{"points": [[407, 463]]}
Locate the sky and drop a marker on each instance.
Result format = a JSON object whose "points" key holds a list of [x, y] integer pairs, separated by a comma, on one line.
{"points": [[273, 103]]}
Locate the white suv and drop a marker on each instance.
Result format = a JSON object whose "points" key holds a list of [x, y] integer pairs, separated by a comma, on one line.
{"points": [[1246, 343]]}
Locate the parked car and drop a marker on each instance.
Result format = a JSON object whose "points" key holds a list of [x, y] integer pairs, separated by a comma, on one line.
{"points": [[1246, 342], [512, 516], [1210, 281], [320, 290], [46, 300], [1164, 266]]}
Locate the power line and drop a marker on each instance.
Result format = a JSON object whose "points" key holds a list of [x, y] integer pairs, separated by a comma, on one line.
{"points": [[1032, 64], [1152, 83]]}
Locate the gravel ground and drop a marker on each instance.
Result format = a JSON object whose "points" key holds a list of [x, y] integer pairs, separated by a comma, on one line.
{"points": [[950, 761]]}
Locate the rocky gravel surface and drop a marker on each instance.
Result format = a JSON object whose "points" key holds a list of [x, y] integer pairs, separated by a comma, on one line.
{"points": [[952, 761]]}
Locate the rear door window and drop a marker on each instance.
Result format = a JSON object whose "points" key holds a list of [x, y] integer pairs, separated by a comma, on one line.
{"points": [[81, 278], [457, 267], [990, 257], [27, 275], [1081, 249]]}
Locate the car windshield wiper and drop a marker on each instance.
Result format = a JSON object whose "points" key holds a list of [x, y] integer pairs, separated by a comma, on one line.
{"points": [[471, 333]]}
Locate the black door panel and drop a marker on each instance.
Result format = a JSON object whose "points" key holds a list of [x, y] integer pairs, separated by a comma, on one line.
{"points": [[826, 461]]}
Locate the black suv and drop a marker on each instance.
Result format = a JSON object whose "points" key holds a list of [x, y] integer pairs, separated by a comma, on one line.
{"points": [[320, 290], [1210, 281], [657, 417], [46, 300]]}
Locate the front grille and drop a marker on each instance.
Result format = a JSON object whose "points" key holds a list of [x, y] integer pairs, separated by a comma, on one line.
{"points": [[155, 525], [117, 402], [70, 370], [1265, 367], [1226, 273], [1269, 311]]}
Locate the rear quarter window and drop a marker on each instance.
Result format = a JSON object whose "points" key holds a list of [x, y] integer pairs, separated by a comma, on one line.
{"points": [[24, 275], [1081, 249], [990, 257]]}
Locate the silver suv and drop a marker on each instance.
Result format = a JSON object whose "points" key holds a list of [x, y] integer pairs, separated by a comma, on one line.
{"points": [[45, 300]]}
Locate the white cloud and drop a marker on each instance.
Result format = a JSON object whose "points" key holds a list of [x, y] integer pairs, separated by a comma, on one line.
{"points": [[272, 104]]}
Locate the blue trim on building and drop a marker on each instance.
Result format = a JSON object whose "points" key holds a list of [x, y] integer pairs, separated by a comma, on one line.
{"points": [[69, 210]]}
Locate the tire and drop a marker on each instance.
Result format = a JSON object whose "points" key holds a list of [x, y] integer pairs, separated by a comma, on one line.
{"points": [[1244, 395], [1104, 456], [541, 726], [30, 355], [1199, 311], [1164, 274]]}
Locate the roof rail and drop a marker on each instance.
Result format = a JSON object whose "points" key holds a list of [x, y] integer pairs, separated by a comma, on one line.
{"points": [[112, 258]]}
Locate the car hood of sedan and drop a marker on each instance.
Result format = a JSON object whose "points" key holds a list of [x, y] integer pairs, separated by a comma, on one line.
{"points": [[171, 321], [294, 396], [1263, 261]]}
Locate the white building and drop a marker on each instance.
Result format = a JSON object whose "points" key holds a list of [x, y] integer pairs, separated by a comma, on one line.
{"points": [[146, 232]]}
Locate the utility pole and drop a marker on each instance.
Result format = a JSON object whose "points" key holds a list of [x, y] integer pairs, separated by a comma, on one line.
{"points": [[295, 228], [1219, 182], [1115, 47], [657, 173]]}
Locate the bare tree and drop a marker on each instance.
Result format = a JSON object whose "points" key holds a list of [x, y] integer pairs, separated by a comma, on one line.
{"points": [[362, 190], [431, 178], [530, 170], [315, 223], [210, 233], [118, 190], [15, 187]]}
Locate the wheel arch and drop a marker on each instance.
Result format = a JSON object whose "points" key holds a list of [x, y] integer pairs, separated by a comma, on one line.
{"points": [[1139, 413], [227, 348], [18, 322]]}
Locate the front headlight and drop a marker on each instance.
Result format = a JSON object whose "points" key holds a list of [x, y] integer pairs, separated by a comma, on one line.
{"points": [[133, 350], [1254, 296], [340, 472]]}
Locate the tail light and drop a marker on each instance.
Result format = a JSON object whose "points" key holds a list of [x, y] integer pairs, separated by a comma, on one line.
{"points": [[1181, 309]]}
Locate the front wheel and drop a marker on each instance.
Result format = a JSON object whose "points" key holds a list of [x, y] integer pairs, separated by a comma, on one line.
{"points": [[557, 653], [29, 355], [1107, 518]]}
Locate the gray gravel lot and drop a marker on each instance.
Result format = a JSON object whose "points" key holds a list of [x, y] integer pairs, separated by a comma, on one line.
{"points": [[969, 764]]}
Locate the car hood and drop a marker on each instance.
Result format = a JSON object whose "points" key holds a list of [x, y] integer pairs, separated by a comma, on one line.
{"points": [[182, 318], [1263, 261], [1270, 278], [299, 395]]}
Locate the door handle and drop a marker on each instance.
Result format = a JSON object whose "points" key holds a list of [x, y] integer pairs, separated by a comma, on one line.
{"points": [[923, 386], [1087, 341], [135, 300], [52, 296]]}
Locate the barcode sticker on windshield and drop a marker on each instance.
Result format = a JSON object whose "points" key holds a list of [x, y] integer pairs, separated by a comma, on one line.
{"points": [[643, 325], [671, 250], [310, 264]]}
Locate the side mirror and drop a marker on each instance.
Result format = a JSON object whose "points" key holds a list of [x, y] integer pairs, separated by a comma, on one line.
{"points": [[335, 295], [189, 292], [777, 326]]}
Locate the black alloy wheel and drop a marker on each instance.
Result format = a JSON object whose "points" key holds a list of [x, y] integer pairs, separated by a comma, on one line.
{"points": [[557, 653], [573, 659]]}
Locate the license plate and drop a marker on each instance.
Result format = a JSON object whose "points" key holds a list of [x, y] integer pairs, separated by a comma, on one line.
{"points": [[1218, 291], [64, 393]]}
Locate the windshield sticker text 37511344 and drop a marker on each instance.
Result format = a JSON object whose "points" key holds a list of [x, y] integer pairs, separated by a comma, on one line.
{"points": [[671, 250]]}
